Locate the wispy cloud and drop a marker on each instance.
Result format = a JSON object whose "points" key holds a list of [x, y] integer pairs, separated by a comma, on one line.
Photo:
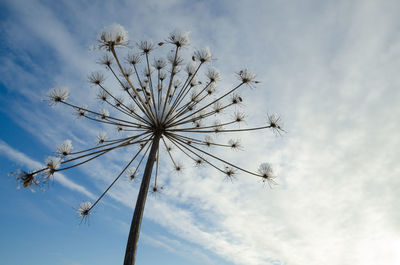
{"points": [[21, 158]]}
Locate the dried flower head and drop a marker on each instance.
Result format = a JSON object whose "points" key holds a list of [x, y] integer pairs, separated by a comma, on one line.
{"points": [[266, 172], [235, 144], [65, 148], [146, 46], [230, 173], [179, 38], [81, 111], [96, 78], [52, 163], [246, 76], [104, 113], [132, 173], [213, 75], [274, 123], [25, 179], [106, 60], [190, 69], [159, 63], [133, 59], [112, 36], [202, 55], [101, 138], [84, 211], [58, 94]]}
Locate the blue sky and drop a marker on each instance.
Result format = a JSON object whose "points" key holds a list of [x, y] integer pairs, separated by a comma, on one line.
{"points": [[329, 68]]}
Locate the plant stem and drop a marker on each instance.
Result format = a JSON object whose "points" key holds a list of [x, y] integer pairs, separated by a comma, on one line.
{"points": [[133, 237]]}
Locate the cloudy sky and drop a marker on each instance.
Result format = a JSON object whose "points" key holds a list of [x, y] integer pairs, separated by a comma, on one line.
{"points": [[330, 69]]}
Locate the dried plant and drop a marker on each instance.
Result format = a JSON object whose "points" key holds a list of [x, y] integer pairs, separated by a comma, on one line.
{"points": [[165, 105]]}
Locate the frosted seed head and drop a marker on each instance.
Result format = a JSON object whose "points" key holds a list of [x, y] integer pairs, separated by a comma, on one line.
{"points": [[146, 46], [217, 107], [132, 108], [118, 101], [179, 38], [236, 99], [239, 116], [202, 55], [132, 173], [175, 61], [58, 94], [96, 78], [274, 122], [106, 60], [194, 82], [208, 140], [159, 63], [102, 138], [84, 209], [133, 59], [113, 35], [177, 83], [65, 148], [266, 173], [102, 95], [128, 71], [190, 68], [246, 76], [213, 75], [52, 163], [199, 162], [81, 111], [104, 114], [211, 89], [163, 75], [235, 144], [178, 167], [25, 179]]}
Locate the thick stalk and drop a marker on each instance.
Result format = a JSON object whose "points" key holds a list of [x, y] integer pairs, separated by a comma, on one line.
{"points": [[133, 238]]}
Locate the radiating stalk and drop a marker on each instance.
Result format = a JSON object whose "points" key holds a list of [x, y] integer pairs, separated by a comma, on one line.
{"points": [[133, 238]]}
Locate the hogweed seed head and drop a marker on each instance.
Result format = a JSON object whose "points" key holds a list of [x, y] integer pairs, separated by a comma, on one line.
{"points": [[230, 173], [213, 75], [190, 69], [84, 209], [81, 111], [102, 137], [202, 55], [159, 63], [162, 104], [106, 60], [113, 35], [104, 114], [266, 172], [179, 38], [65, 148], [274, 123], [146, 46], [96, 78], [25, 179], [132, 173], [133, 59], [58, 94], [53, 162], [246, 76]]}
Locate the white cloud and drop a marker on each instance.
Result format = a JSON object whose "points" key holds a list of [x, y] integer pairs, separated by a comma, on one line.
{"points": [[26, 161]]}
